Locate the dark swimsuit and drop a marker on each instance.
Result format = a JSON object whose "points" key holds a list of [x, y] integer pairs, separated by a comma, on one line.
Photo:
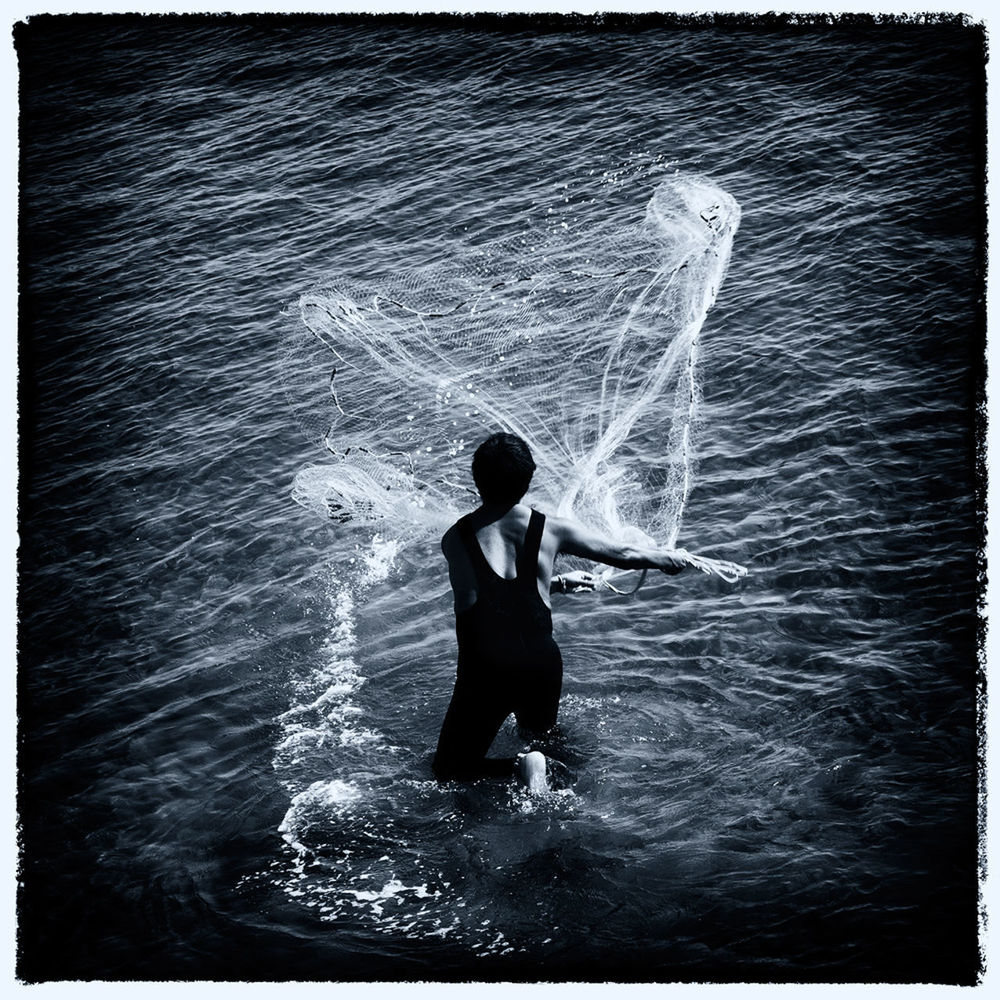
{"points": [[507, 662]]}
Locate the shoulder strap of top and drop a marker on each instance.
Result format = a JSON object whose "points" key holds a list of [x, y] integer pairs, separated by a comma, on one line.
{"points": [[527, 564]]}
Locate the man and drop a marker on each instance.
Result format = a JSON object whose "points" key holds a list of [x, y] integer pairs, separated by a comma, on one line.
{"points": [[500, 560]]}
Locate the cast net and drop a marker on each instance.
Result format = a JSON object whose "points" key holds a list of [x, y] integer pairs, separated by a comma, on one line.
{"points": [[585, 346]]}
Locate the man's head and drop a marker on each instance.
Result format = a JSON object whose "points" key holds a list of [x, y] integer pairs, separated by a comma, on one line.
{"points": [[502, 468]]}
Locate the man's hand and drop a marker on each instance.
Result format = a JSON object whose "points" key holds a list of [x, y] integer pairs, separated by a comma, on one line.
{"points": [[578, 581], [674, 560]]}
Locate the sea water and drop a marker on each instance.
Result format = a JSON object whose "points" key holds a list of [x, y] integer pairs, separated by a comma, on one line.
{"points": [[228, 702]]}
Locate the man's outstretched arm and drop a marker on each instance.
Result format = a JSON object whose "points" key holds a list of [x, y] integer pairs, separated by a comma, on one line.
{"points": [[577, 540]]}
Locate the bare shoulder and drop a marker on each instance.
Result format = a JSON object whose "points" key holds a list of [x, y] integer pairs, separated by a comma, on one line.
{"points": [[561, 527], [558, 530], [576, 539]]}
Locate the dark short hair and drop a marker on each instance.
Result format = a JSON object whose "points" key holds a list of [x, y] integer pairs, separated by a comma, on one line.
{"points": [[502, 468]]}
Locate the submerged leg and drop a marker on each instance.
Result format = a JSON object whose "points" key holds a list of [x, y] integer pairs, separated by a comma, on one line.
{"points": [[538, 689], [536, 710]]}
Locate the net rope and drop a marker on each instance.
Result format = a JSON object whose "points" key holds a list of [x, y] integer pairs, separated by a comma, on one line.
{"points": [[584, 345]]}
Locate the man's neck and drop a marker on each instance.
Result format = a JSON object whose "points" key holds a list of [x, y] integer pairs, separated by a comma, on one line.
{"points": [[494, 511]]}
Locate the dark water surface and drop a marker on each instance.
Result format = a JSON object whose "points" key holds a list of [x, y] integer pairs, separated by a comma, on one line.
{"points": [[227, 705]]}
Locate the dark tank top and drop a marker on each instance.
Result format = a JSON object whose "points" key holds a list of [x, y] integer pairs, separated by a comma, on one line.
{"points": [[509, 616]]}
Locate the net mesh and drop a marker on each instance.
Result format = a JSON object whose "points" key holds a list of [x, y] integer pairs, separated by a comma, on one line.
{"points": [[583, 345]]}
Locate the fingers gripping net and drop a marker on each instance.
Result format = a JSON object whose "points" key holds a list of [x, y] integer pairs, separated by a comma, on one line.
{"points": [[584, 347]]}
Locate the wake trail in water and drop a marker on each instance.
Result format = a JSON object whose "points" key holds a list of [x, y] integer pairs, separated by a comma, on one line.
{"points": [[572, 342]]}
